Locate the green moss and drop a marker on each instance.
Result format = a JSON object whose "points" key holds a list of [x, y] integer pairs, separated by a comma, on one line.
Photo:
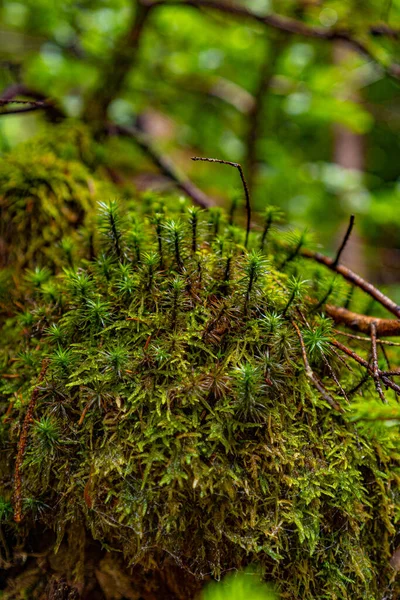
{"points": [[49, 187], [176, 418]]}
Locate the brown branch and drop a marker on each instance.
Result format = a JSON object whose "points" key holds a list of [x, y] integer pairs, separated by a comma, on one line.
{"points": [[3, 102], [344, 242], [311, 375], [40, 102], [285, 24], [366, 339], [384, 30], [375, 365], [20, 89], [26, 109], [245, 188], [335, 378], [166, 167], [17, 497], [361, 361], [362, 323], [354, 279]]}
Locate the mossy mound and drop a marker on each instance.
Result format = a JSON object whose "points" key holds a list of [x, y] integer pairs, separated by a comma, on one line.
{"points": [[175, 421], [49, 187]]}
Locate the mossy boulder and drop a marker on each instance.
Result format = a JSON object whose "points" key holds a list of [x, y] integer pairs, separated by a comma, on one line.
{"points": [[174, 431]]}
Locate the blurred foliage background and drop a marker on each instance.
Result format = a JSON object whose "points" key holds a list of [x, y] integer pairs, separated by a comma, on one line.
{"points": [[314, 122]]}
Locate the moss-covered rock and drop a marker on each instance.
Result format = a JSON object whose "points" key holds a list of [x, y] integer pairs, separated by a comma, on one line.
{"points": [[175, 422]]}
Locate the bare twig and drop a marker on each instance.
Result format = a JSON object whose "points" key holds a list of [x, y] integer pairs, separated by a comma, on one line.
{"points": [[39, 102], [311, 375], [361, 361], [366, 339], [375, 365], [383, 30], [26, 109], [358, 385], [17, 497], [354, 279], [163, 163], [334, 377], [245, 187], [3, 102], [344, 242]]}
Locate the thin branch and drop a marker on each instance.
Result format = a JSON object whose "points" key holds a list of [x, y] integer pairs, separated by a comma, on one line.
{"points": [[375, 365], [163, 163], [311, 375], [354, 279], [3, 102], [344, 242], [245, 187], [358, 385], [366, 339], [361, 361], [335, 378], [362, 323], [395, 373], [287, 25], [17, 497], [40, 101], [384, 30], [26, 109]]}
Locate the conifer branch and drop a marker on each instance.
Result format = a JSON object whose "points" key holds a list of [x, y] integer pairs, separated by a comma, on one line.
{"points": [[17, 496], [245, 188]]}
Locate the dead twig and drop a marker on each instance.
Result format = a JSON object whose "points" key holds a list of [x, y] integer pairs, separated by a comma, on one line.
{"points": [[366, 339], [245, 188], [26, 109], [375, 365], [361, 361], [355, 279], [344, 242], [39, 102]]}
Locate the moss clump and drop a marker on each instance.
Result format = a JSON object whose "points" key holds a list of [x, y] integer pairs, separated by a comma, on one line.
{"points": [[176, 419], [49, 187]]}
